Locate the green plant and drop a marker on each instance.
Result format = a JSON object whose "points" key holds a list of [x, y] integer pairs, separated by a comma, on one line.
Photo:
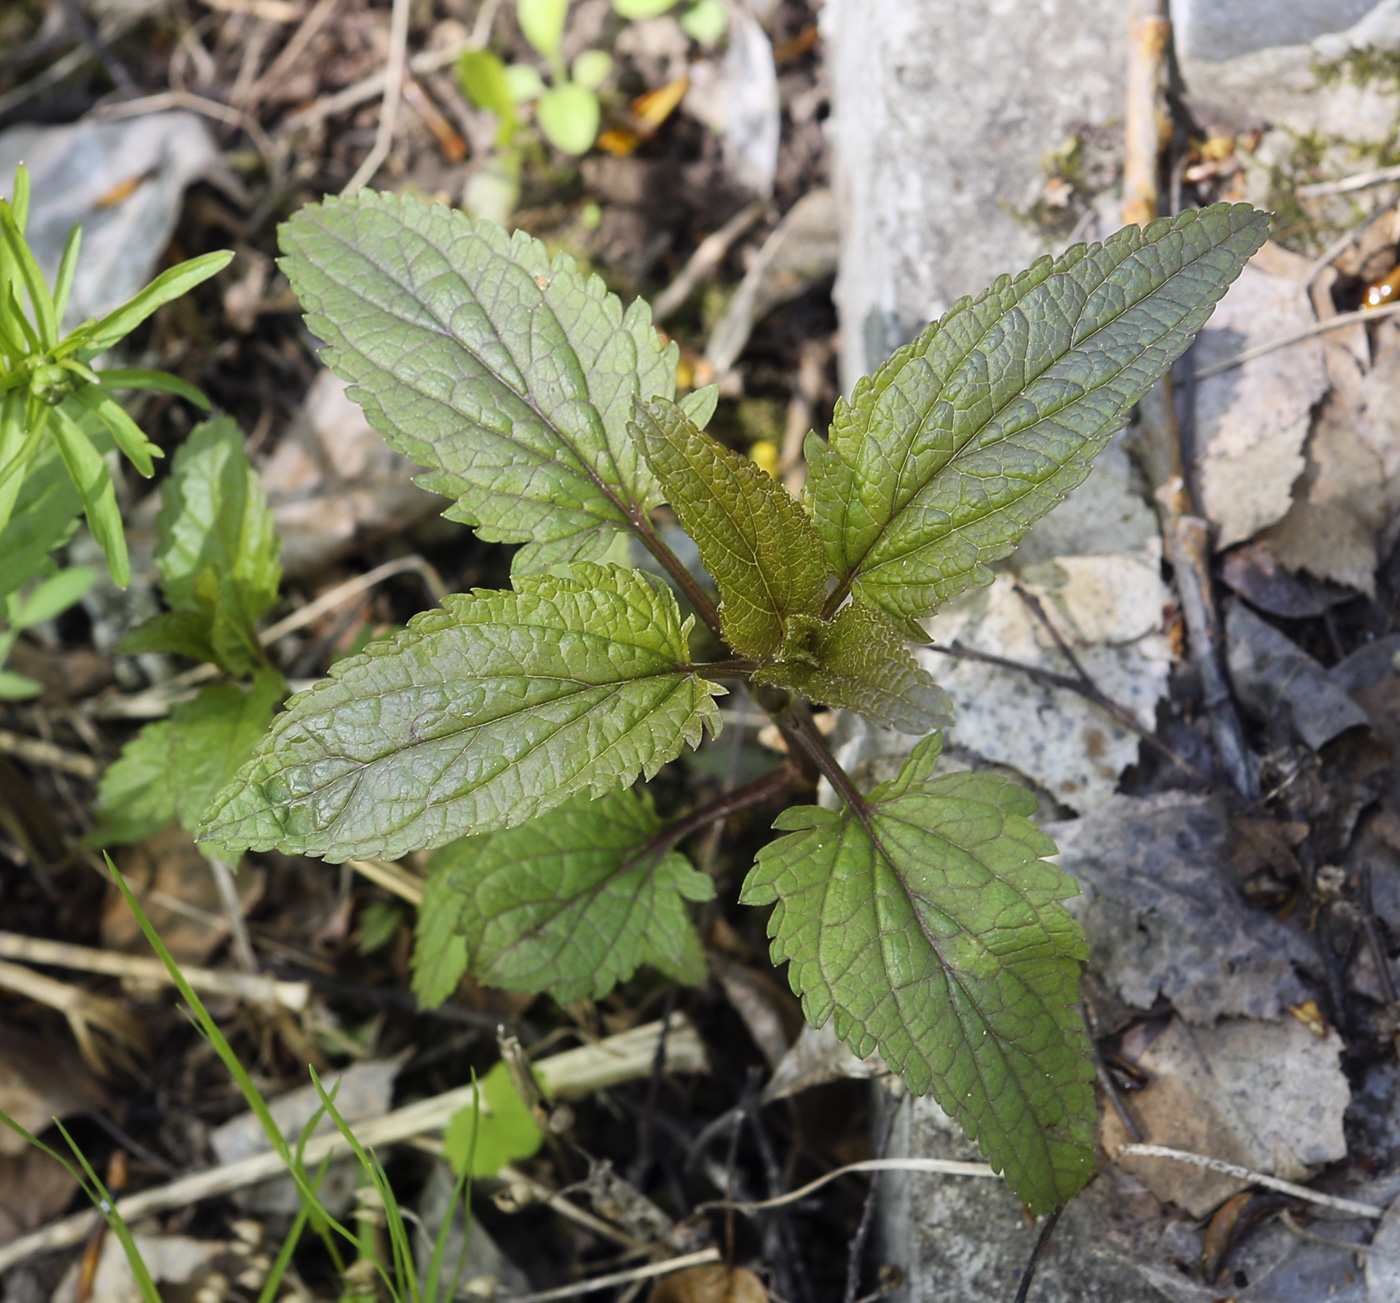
{"points": [[400, 1277], [704, 21], [922, 917], [48, 385], [217, 556]]}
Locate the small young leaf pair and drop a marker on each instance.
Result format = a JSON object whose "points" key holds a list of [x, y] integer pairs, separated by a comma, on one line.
{"points": [[47, 384], [217, 557], [767, 559]]}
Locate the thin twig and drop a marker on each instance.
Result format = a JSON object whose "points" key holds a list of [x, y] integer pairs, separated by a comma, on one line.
{"points": [[183, 99], [856, 1250], [937, 1166], [392, 877], [1297, 337], [389, 110], [708, 255], [1254, 1178], [291, 52], [648, 1272], [1086, 688], [233, 914], [1360, 181], [38, 752], [568, 1075], [1046, 1231], [112, 963], [1292, 1227]]}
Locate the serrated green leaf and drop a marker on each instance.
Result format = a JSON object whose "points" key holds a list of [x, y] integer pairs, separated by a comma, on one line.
{"points": [[928, 925], [859, 661], [510, 375], [699, 404], [946, 455], [477, 717], [181, 633], [754, 537], [481, 1140], [174, 767], [217, 551], [567, 903]]}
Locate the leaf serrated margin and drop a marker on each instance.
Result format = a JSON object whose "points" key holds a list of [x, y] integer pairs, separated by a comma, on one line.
{"points": [[928, 925], [476, 717]]}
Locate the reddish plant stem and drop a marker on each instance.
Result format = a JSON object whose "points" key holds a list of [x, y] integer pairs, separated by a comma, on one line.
{"points": [[773, 783], [686, 581], [797, 727]]}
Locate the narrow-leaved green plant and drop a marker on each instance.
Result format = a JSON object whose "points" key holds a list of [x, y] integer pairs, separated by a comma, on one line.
{"points": [[507, 728]]}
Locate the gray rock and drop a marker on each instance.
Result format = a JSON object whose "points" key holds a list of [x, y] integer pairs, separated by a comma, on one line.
{"points": [[942, 114], [1225, 29], [1163, 915]]}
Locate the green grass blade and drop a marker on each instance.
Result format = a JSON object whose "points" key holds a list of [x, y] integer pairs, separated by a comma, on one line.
{"points": [[90, 476], [129, 436]]}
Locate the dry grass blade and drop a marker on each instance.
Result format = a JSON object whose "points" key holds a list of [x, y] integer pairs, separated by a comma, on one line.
{"points": [[87, 1015]]}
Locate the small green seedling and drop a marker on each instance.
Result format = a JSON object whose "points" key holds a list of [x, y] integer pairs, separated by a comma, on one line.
{"points": [[48, 385], [50, 597], [704, 21], [923, 918]]}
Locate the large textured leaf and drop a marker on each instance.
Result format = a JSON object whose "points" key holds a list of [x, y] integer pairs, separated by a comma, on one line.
{"points": [[216, 552], [476, 717], [946, 455], [928, 924], [174, 767], [860, 662], [567, 903], [754, 537], [509, 375]]}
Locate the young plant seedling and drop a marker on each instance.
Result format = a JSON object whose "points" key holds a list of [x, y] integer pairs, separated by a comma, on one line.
{"points": [[923, 917], [48, 385]]}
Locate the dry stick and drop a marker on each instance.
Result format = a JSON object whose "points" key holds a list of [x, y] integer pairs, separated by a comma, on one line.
{"points": [[392, 877], [1185, 536], [937, 1166], [1297, 336], [648, 1272], [1361, 181], [708, 255], [389, 110], [1086, 689], [856, 1250], [1254, 1178], [291, 52], [573, 1073], [1091, 690], [182, 99], [160, 698], [233, 914], [84, 959], [38, 752]]}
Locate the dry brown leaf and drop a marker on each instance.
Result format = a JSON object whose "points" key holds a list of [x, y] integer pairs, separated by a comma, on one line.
{"points": [[40, 1079], [175, 886], [712, 1283]]}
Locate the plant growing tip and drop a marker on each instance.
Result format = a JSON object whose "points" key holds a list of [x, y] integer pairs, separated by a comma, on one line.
{"points": [[923, 918]]}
